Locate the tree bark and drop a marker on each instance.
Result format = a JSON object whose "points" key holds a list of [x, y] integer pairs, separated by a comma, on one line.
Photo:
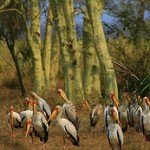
{"points": [[10, 44], [109, 76], [38, 79], [55, 59], [72, 46], [47, 48], [88, 59], [66, 60]]}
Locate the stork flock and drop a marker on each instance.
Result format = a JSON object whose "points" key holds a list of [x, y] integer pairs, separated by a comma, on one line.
{"points": [[133, 112]]}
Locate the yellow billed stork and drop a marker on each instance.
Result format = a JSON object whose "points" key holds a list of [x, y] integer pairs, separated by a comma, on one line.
{"points": [[13, 119], [95, 114], [68, 130], [137, 114], [145, 119], [26, 120], [69, 109], [42, 104], [115, 105], [123, 114], [114, 131], [40, 123]]}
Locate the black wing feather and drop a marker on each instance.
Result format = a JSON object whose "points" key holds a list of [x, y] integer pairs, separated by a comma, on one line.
{"points": [[74, 141]]}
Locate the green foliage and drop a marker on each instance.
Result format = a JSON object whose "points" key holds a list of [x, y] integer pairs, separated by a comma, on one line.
{"points": [[131, 64], [145, 86], [130, 21]]}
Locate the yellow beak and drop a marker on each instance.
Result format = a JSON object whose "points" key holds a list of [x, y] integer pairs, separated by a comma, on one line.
{"points": [[53, 115], [116, 102], [85, 103], [62, 94], [117, 119], [28, 127]]}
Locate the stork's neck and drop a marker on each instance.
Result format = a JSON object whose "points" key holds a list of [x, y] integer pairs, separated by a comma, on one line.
{"points": [[34, 109], [67, 100], [12, 116], [146, 107], [59, 115]]}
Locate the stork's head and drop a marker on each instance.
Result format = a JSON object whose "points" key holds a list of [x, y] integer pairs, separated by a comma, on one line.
{"points": [[128, 98], [114, 100], [62, 94], [11, 108], [146, 99], [29, 101], [86, 104], [139, 99], [55, 113]]}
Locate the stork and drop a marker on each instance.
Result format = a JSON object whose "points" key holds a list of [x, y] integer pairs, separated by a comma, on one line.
{"points": [[40, 123], [137, 114], [43, 105], [69, 109], [114, 132], [123, 114], [68, 130], [13, 119], [95, 114], [26, 120], [131, 110], [145, 119], [115, 105]]}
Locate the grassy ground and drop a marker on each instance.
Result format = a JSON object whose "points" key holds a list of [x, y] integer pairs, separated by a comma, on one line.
{"points": [[132, 140], [9, 95]]}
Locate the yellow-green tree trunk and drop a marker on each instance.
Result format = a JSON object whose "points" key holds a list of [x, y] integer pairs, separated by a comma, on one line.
{"points": [[47, 48], [66, 60], [110, 83], [88, 55], [55, 57], [36, 47], [72, 47]]}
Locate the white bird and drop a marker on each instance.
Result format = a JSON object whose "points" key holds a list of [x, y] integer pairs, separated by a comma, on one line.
{"points": [[130, 117], [40, 123], [69, 109], [95, 114], [26, 120], [123, 114], [43, 105], [68, 130], [115, 105], [13, 119], [145, 119], [114, 131], [137, 114]]}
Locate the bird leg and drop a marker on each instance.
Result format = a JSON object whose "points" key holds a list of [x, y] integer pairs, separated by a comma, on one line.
{"points": [[13, 134], [64, 142]]}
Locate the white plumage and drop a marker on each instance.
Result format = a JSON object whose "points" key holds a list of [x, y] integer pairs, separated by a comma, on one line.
{"points": [[114, 131], [40, 124], [69, 109], [124, 112], [67, 129], [42, 104], [13, 119], [107, 118], [114, 103], [145, 119]]}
